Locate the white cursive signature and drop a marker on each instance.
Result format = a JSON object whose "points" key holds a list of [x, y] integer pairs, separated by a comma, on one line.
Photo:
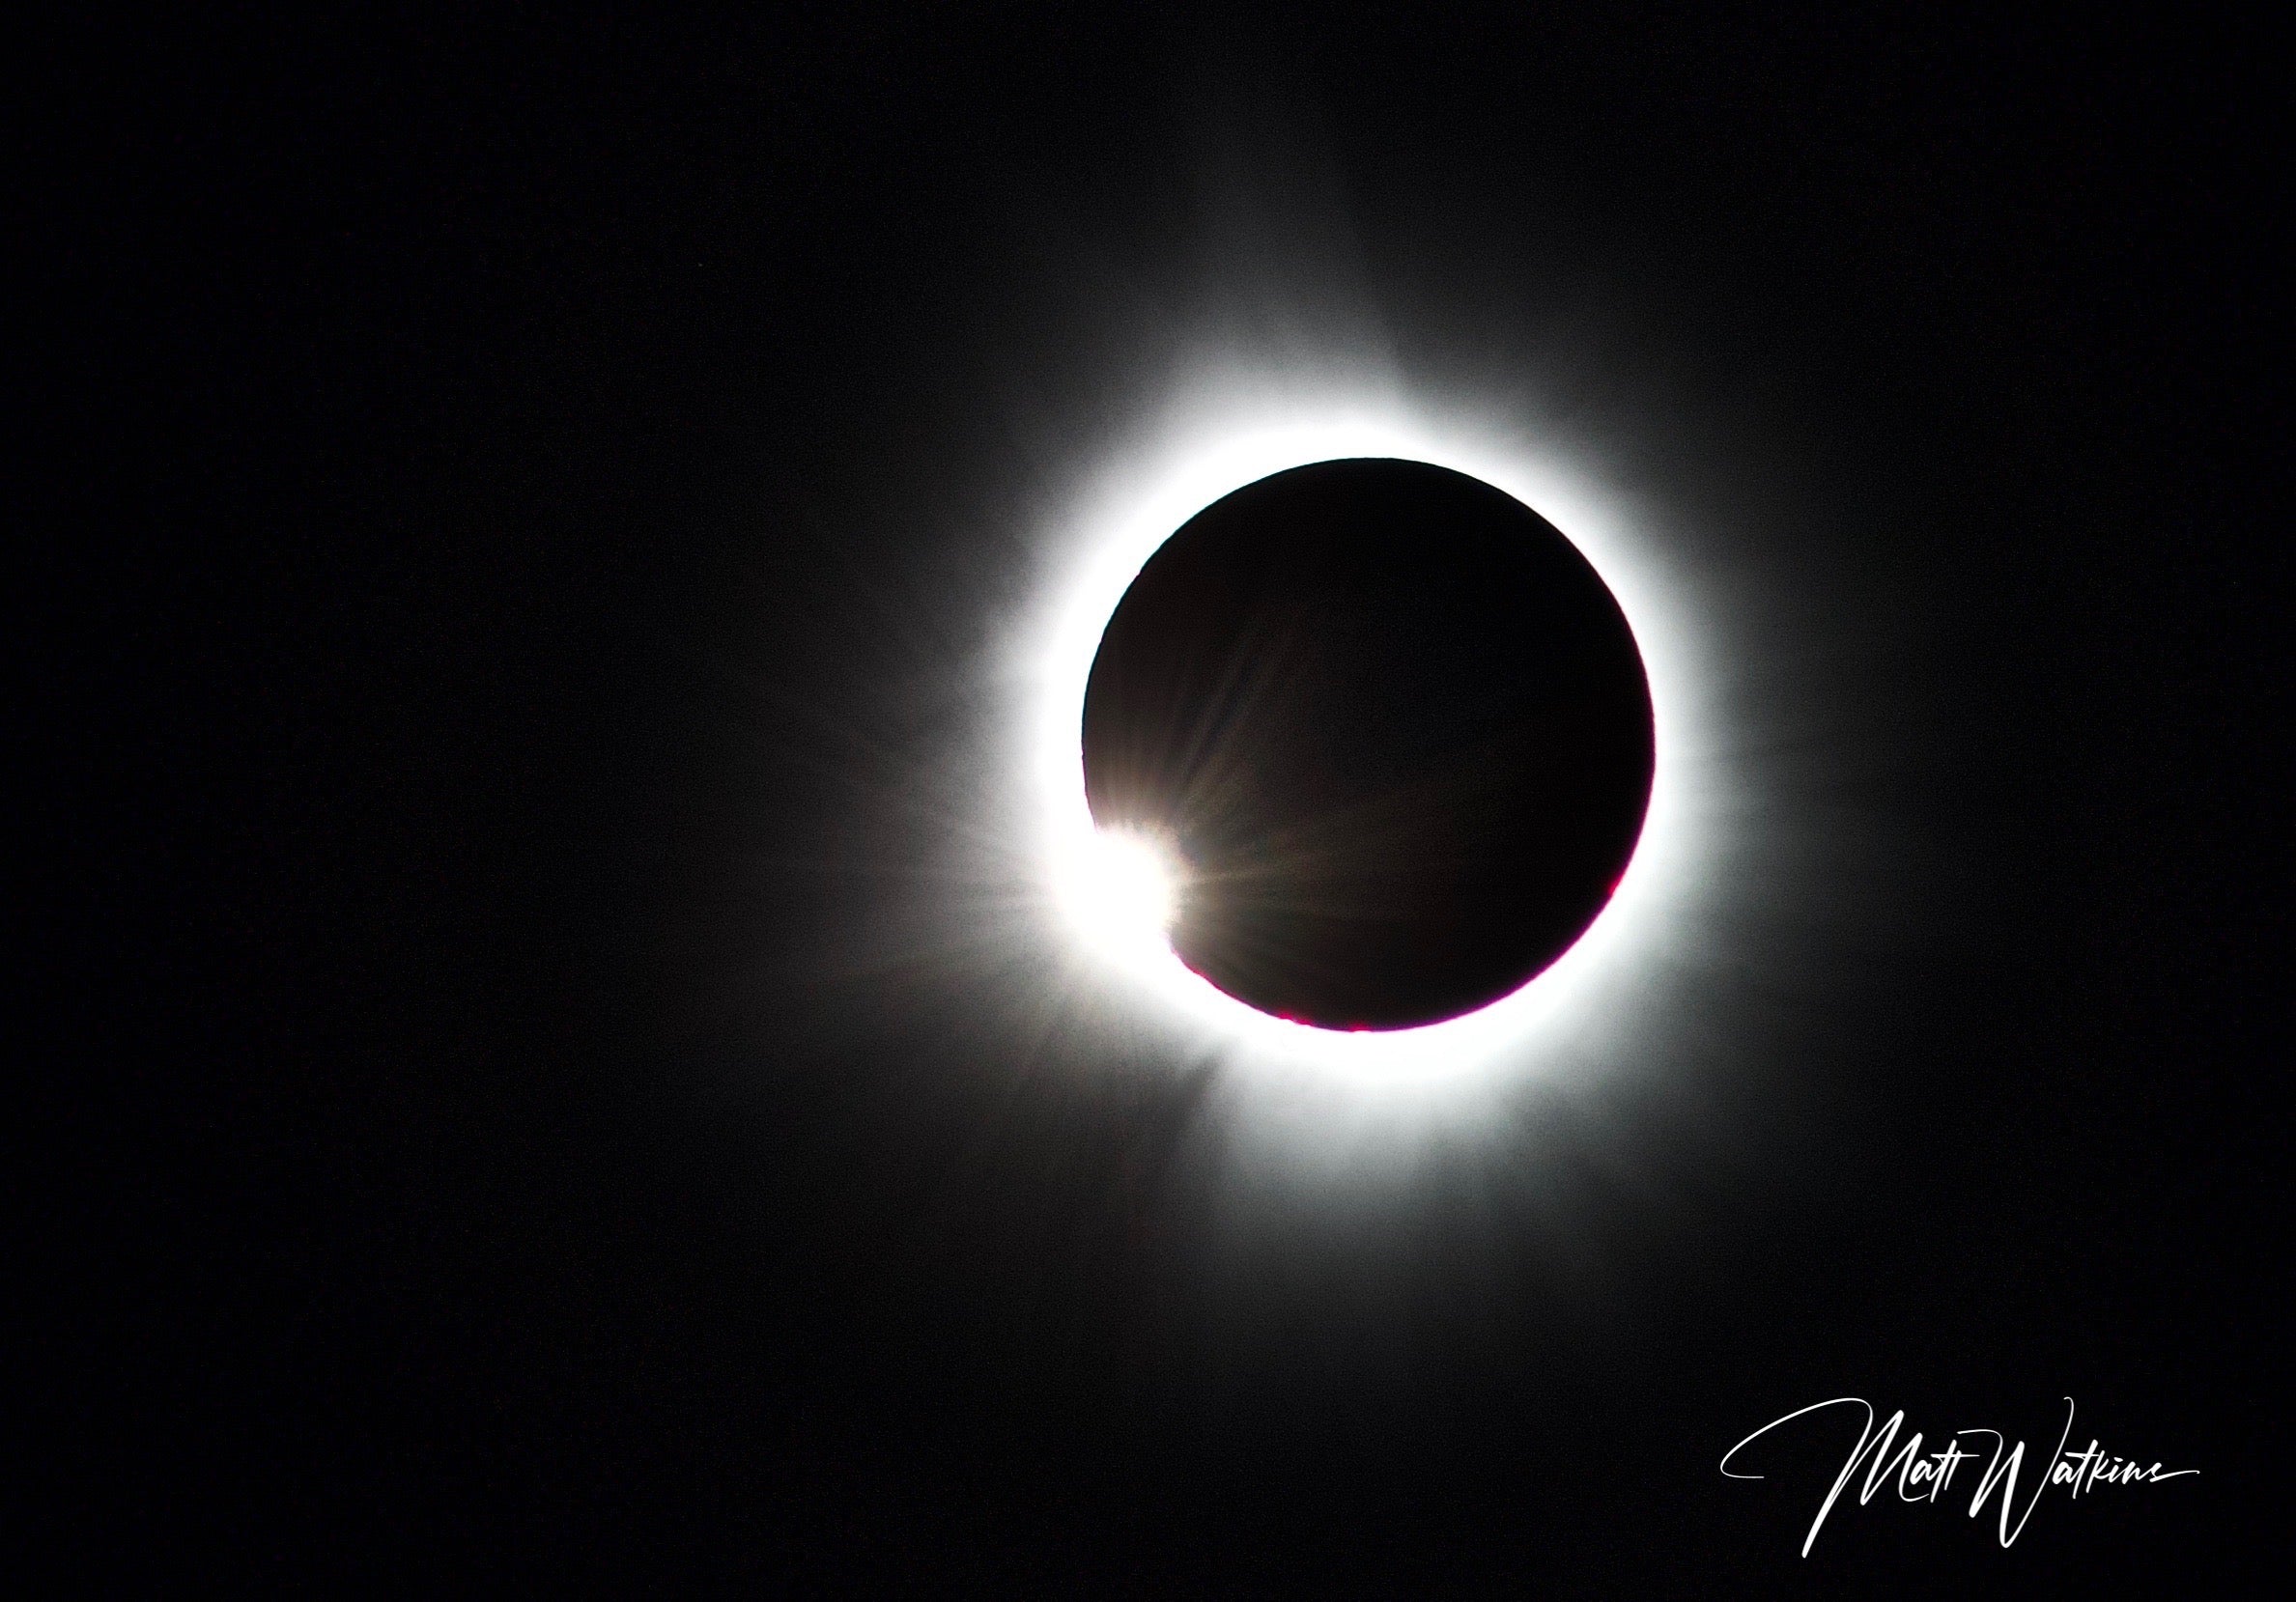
{"points": [[1926, 1477]]}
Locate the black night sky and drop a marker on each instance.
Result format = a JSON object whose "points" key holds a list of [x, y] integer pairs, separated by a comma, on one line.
{"points": [[548, 1076]]}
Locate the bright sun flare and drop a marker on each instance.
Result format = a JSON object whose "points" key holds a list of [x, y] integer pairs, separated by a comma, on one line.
{"points": [[1121, 890]]}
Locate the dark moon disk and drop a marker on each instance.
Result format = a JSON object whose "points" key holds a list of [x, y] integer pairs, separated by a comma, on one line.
{"points": [[1394, 726]]}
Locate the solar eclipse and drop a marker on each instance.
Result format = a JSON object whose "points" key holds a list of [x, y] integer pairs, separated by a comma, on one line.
{"points": [[1242, 945], [1387, 730], [1141, 797]]}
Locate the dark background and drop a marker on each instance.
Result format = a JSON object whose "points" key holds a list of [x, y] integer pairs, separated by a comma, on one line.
{"points": [[489, 594]]}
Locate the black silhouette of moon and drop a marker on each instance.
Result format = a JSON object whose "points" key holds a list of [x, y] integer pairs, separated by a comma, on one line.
{"points": [[1394, 727]]}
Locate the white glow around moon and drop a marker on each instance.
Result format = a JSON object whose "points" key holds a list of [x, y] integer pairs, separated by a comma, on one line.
{"points": [[1597, 988]]}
